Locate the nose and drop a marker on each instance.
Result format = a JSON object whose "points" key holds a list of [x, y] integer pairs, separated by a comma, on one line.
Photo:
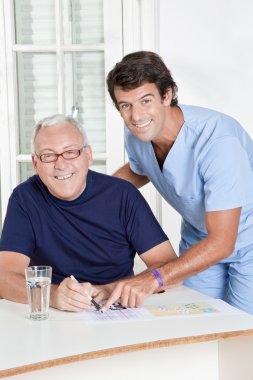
{"points": [[60, 163], [136, 114]]}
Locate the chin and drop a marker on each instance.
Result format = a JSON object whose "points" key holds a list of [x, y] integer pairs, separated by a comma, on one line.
{"points": [[65, 197], [143, 137]]}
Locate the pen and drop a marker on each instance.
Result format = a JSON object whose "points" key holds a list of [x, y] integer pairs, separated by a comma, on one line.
{"points": [[97, 306]]}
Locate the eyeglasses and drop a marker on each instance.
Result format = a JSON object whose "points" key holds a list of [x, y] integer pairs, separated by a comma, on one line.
{"points": [[67, 155]]}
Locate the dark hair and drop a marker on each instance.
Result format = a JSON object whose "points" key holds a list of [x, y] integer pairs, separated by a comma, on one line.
{"points": [[138, 68]]}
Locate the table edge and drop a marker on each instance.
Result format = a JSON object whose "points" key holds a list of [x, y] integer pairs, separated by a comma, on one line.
{"points": [[122, 349]]}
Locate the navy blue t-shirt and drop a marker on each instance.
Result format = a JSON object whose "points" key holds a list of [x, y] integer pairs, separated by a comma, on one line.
{"points": [[94, 237]]}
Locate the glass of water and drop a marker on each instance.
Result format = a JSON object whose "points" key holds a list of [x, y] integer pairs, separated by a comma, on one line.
{"points": [[38, 281]]}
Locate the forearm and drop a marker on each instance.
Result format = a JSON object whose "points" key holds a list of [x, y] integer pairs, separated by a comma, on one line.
{"points": [[13, 287], [222, 230], [199, 257], [126, 173], [194, 260]]}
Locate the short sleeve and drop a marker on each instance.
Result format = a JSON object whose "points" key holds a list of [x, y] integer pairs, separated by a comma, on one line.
{"points": [[17, 234], [227, 175], [143, 230]]}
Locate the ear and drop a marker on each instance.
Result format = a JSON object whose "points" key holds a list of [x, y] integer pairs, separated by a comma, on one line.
{"points": [[35, 163], [168, 97], [88, 152]]}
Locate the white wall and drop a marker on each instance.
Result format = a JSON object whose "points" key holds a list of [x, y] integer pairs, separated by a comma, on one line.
{"points": [[208, 46]]}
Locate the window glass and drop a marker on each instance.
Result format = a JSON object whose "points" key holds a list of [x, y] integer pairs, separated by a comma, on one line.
{"points": [[37, 92], [34, 21], [85, 89], [99, 166], [25, 170], [83, 21]]}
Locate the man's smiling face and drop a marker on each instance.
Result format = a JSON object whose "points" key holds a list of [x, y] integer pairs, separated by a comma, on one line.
{"points": [[65, 179], [143, 110]]}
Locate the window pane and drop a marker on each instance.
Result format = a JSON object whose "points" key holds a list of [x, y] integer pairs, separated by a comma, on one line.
{"points": [[37, 93], [25, 170], [83, 21], [99, 166], [85, 88], [35, 21]]}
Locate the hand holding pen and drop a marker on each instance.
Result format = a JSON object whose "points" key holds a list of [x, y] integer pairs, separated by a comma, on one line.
{"points": [[94, 303]]}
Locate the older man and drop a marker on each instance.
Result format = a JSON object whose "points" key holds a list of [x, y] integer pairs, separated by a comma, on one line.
{"points": [[80, 222]]}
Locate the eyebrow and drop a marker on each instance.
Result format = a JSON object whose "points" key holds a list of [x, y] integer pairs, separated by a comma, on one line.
{"points": [[73, 146], [142, 97]]}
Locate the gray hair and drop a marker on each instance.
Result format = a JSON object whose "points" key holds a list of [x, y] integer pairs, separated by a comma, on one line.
{"points": [[57, 119]]}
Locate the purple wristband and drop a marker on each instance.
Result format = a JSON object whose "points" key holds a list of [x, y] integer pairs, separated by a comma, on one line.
{"points": [[158, 277]]}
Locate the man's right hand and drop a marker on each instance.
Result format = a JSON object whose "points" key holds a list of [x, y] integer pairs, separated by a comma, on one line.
{"points": [[132, 291], [71, 295]]}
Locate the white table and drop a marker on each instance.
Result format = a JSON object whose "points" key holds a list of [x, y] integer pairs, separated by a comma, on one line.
{"points": [[210, 347]]}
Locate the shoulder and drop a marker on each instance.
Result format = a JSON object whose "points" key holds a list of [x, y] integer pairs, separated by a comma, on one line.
{"points": [[27, 189], [206, 117], [203, 127], [30, 183], [113, 187], [109, 180]]}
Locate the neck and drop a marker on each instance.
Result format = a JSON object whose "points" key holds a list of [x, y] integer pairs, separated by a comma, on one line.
{"points": [[173, 124]]}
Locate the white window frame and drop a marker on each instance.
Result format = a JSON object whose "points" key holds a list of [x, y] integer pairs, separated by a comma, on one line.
{"points": [[141, 32]]}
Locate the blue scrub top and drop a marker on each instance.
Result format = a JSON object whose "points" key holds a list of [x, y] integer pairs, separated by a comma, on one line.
{"points": [[209, 168]]}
